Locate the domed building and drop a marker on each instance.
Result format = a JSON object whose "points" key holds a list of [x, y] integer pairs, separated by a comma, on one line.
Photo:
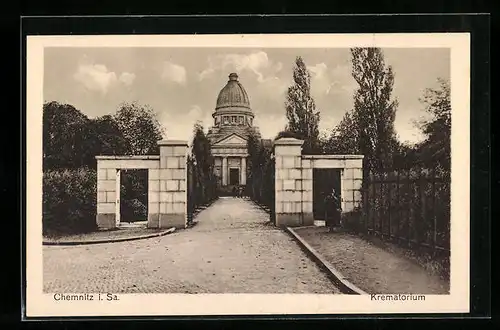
{"points": [[233, 123]]}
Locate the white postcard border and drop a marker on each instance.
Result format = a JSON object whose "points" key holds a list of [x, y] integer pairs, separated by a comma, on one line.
{"points": [[39, 304]]}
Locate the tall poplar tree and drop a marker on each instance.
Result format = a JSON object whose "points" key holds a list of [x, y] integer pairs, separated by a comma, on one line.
{"points": [[202, 156], [301, 113], [374, 109], [253, 147]]}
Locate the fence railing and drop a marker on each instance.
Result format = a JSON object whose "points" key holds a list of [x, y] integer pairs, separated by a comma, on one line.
{"points": [[411, 207]]}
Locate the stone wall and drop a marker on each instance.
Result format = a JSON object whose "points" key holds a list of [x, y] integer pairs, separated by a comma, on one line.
{"points": [[288, 182], [172, 178], [294, 181], [167, 193], [108, 180]]}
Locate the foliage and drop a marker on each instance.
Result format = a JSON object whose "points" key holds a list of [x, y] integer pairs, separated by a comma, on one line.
{"points": [[368, 129], [411, 204], [202, 185], [105, 138], [260, 177], [64, 136], [289, 134], [140, 127], [135, 195], [201, 152], [436, 149], [404, 156], [374, 109], [301, 113], [344, 138], [71, 141], [69, 201]]}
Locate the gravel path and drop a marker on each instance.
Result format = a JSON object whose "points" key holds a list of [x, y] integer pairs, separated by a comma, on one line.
{"points": [[372, 268], [230, 250]]}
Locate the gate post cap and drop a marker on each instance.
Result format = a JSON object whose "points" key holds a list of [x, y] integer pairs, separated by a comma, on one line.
{"points": [[289, 141], [173, 143]]}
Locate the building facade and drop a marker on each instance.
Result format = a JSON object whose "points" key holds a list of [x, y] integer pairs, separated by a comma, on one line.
{"points": [[233, 123]]}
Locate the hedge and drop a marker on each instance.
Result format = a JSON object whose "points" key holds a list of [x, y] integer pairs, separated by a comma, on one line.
{"points": [[69, 201]]}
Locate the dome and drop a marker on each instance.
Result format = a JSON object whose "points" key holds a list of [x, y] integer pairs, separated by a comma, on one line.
{"points": [[232, 112], [233, 96]]}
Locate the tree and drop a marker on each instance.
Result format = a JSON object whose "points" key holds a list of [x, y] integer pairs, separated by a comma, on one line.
{"points": [[64, 136], [72, 140], [200, 149], [344, 138], [254, 150], [134, 130], [289, 134], [201, 157], [140, 127], [301, 113], [436, 148], [374, 109], [405, 156], [260, 178], [103, 137]]}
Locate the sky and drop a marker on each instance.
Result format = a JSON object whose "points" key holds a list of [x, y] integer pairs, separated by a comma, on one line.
{"points": [[182, 85]]}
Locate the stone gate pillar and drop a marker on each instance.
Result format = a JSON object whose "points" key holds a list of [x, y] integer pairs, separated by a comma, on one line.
{"points": [[352, 178], [288, 182], [172, 180], [106, 193]]}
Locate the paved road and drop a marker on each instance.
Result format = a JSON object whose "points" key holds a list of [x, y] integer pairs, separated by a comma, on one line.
{"points": [[230, 250]]}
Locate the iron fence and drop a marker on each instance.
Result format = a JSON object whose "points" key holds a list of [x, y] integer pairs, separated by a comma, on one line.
{"points": [[410, 207]]}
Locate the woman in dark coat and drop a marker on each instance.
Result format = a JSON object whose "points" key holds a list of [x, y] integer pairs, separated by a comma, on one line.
{"points": [[333, 210]]}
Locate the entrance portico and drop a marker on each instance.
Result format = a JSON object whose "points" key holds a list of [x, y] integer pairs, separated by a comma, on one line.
{"points": [[231, 169]]}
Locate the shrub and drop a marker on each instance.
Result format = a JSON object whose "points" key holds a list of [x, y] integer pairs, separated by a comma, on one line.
{"points": [[134, 195], [352, 221], [69, 201], [133, 210]]}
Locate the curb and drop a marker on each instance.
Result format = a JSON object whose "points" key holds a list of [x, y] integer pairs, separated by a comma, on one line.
{"points": [[133, 238], [201, 208], [197, 211], [344, 285], [262, 207]]}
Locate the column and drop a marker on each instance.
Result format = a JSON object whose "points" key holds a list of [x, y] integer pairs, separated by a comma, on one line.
{"points": [[224, 171], [243, 170], [173, 176], [288, 182]]}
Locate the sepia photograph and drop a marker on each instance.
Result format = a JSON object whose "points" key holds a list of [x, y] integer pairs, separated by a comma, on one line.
{"points": [[292, 174]]}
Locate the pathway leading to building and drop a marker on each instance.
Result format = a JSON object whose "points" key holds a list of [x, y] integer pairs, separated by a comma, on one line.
{"points": [[232, 249]]}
